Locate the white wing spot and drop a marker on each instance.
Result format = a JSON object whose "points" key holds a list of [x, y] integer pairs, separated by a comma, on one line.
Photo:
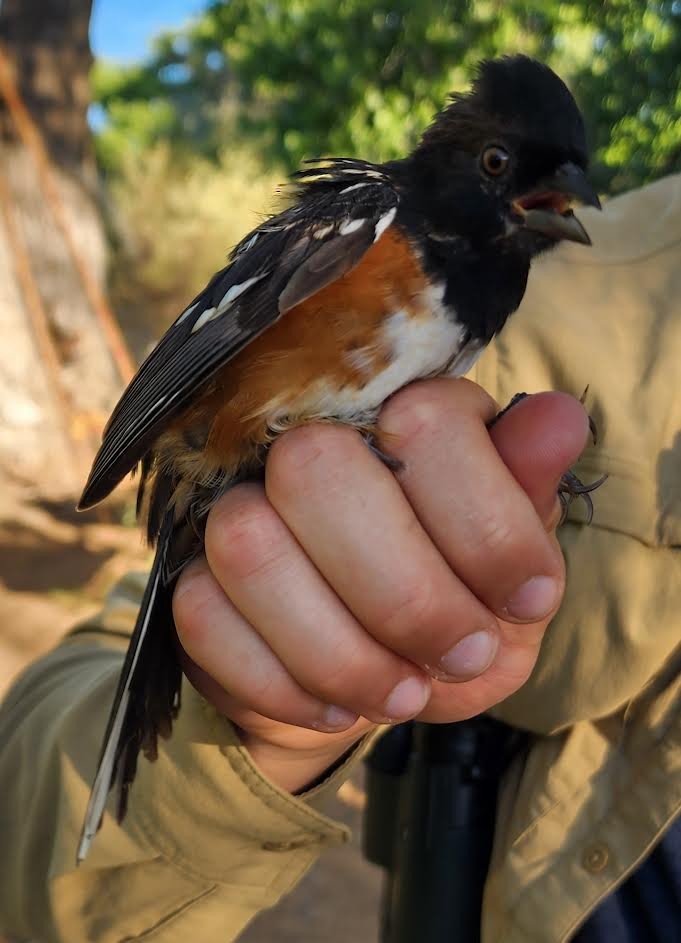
{"points": [[352, 226], [249, 245], [233, 293], [204, 318], [374, 174], [185, 314], [355, 186], [384, 222]]}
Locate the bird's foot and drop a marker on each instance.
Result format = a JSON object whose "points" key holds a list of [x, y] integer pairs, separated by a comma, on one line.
{"points": [[393, 464], [515, 399], [571, 487]]}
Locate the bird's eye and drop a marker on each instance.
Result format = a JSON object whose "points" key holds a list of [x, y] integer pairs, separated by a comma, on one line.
{"points": [[495, 160]]}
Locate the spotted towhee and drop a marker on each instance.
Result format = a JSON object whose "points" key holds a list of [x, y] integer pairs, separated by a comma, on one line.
{"points": [[376, 275]]}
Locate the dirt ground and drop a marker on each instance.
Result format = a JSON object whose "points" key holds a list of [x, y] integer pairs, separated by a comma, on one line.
{"points": [[55, 568]]}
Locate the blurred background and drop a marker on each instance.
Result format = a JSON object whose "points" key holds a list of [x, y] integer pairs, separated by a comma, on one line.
{"points": [[140, 141]]}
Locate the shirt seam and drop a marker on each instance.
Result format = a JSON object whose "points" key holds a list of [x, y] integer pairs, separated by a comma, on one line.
{"points": [[167, 918]]}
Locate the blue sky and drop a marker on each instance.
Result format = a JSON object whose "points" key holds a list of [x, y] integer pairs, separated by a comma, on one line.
{"points": [[122, 29]]}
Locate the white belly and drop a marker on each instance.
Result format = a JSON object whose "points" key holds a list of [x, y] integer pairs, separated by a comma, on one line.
{"points": [[417, 348]]}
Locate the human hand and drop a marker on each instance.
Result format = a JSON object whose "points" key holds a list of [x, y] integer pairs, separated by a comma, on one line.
{"points": [[340, 596]]}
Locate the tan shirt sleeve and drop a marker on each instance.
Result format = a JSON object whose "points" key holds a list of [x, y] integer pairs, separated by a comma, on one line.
{"points": [[207, 843]]}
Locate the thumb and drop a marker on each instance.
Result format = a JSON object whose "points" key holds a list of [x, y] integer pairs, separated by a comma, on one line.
{"points": [[539, 438]]}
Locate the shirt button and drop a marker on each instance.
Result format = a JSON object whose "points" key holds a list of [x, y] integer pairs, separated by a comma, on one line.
{"points": [[595, 858]]}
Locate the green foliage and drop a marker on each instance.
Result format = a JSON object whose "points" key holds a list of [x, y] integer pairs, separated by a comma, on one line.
{"points": [[309, 77], [631, 89]]}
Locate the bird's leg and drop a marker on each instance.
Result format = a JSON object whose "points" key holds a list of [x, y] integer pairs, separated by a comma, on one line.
{"points": [[394, 464], [514, 399], [570, 486]]}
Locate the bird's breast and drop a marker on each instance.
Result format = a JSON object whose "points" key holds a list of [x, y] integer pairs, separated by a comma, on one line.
{"points": [[404, 348]]}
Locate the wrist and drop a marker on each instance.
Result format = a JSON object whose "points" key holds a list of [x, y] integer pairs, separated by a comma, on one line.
{"points": [[298, 770]]}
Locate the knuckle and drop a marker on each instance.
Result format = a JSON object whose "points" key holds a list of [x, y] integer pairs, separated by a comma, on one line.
{"points": [[493, 533], [194, 600], [414, 609], [413, 413], [249, 690], [504, 540], [275, 695], [341, 671], [243, 539], [303, 454], [422, 409], [265, 693], [349, 677]]}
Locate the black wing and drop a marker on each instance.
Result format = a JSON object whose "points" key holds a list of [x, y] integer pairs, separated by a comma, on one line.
{"points": [[343, 206]]}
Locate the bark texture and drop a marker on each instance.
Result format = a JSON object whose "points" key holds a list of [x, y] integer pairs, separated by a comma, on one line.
{"points": [[57, 377]]}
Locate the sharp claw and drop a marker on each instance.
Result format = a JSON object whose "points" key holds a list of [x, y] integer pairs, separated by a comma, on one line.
{"points": [[571, 487], [592, 424], [587, 489], [586, 498], [594, 430], [575, 486]]}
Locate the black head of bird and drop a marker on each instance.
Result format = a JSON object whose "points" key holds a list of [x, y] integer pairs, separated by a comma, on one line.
{"points": [[502, 164]]}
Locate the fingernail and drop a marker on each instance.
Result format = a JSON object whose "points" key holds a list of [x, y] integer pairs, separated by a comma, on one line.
{"points": [[470, 656], [407, 699], [337, 718], [534, 600]]}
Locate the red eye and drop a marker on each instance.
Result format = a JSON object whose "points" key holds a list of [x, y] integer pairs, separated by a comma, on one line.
{"points": [[495, 160]]}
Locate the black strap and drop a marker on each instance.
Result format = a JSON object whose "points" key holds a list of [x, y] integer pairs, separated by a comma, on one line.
{"points": [[432, 795]]}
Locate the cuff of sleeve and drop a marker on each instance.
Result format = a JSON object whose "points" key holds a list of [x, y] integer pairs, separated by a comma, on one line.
{"points": [[205, 807]]}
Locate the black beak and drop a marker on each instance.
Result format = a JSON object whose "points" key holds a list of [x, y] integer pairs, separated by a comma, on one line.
{"points": [[571, 180], [546, 210]]}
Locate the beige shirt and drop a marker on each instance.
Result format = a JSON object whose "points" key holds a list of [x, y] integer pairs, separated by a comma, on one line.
{"points": [[208, 841]]}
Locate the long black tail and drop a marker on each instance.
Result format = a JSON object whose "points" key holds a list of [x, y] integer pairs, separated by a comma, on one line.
{"points": [[147, 698]]}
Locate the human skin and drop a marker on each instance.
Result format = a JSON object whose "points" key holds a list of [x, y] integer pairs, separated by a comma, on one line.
{"points": [[340, 595]]}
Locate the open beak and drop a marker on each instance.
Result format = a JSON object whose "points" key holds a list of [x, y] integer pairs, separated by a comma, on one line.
{"points": [[548, 208]]}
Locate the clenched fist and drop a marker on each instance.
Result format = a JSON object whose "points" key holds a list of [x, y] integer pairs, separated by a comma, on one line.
{"points": [[341, 595]]}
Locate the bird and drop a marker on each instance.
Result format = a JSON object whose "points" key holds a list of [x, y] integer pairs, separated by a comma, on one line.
{"points": [[374, 276]]}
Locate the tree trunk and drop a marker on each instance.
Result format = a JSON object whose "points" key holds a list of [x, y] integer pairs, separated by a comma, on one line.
{"points": [[57, 376], [47, 40]]}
